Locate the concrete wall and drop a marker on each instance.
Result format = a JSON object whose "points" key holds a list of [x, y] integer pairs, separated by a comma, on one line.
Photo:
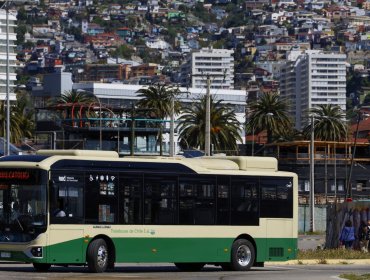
{"points": [[304, 218]]}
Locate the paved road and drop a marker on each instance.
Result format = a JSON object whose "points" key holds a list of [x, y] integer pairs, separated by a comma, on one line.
{"points": [[168, 271]]}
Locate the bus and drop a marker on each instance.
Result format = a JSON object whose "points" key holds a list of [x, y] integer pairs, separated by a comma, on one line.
{"points": [[94, 208]]}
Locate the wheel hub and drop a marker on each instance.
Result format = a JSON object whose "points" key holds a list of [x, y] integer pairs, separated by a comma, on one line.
{"points": [[244, 255], [102, 256]]}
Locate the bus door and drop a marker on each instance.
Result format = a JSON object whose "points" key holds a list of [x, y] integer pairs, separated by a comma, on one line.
{"points": [[277, 208], [66, 242]]}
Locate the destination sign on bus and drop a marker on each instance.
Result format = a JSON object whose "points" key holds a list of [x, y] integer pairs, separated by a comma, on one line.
{"points": [[28, 176], [19, 175]]}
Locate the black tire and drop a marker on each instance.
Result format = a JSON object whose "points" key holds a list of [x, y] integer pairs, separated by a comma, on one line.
{"points": [[189, 266], [242, 255], [41, 267], [97, 256]]}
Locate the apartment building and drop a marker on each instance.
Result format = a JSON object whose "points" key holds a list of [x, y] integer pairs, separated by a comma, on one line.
{"points": [[215, 64], [313, 78], [11, 57]]}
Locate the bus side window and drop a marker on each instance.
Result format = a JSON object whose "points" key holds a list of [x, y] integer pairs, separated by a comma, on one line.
{"points": [[131, 191], [244, 201], [223, 201], [205, 203], [101, 203], [277, 198], [160, 200]]}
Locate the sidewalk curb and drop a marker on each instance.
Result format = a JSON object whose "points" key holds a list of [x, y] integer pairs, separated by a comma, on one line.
{"points": [[324, 261]]}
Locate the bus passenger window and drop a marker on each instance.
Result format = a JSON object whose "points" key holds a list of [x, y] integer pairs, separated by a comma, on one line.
{"points": [[131, 191], [101, 203], [277, 198], [197, 201], [244, 201], [223, 203], [160, 203]]}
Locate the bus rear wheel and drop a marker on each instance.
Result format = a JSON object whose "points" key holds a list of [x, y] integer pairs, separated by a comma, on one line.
{"points": [[97, 256], [189, 266], [242, 255], [41, 267]]}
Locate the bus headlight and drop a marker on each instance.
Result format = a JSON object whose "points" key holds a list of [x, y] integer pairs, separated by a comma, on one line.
{"points": [[36, 252]]}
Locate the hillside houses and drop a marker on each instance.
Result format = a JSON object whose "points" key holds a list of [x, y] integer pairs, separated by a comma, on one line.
{"points": [[144, 32]]}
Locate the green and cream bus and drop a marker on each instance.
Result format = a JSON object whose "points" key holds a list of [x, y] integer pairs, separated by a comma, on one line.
{"points": [[234, 212]]}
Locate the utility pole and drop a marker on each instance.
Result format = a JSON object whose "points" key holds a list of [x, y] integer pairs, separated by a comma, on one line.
{"points": [[172, 128], [207, 140], [349, 185], [132, 130], [312, 176]]}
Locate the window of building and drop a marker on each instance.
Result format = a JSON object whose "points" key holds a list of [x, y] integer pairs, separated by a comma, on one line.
{"points": [[361, 185], [303, 185]]}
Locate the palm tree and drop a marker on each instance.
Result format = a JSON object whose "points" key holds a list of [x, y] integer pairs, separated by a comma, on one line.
{"points": [[21, 119], [157, 100], [70, 99], [268, 113], [225, 127], [329, 124], [14, 123], [24, 117]]}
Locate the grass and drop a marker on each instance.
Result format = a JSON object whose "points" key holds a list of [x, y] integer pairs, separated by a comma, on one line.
{"points": [[332, 254], [355, 276], [323, 255]]}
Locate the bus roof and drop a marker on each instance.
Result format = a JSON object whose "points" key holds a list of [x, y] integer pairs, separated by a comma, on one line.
{"points": [[47, 159], [212, 162]]}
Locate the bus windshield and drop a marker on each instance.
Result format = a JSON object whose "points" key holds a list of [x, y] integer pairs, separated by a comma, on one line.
{"points": [[22, 205]]}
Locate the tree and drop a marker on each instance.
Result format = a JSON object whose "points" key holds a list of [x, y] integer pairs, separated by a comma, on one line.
{"points": [[70, 99], [269, 113], [21, 119], [24, 116], [224, 126], [123, 51], [329, 124], [158, 98]]}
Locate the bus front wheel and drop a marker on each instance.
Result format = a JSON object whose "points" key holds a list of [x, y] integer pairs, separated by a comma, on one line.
{"points": [[97, 256], [41, 267], [242, 255]]}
